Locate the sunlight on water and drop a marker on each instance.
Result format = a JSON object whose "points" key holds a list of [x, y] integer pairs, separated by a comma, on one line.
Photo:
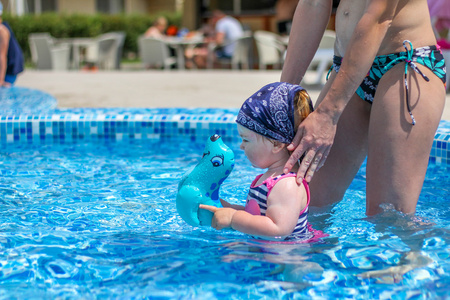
{"points": [[89, 221]]}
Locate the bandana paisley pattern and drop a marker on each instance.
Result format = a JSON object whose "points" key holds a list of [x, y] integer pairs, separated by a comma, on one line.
{"points": [[270, 111]]}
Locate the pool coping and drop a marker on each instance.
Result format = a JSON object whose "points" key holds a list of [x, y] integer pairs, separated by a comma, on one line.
{"points": [[72, 126]]}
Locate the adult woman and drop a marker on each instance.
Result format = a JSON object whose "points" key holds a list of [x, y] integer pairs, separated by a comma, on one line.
{"points": [[344, 128]]}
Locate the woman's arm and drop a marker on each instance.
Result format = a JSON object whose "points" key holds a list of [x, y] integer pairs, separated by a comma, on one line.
{"points": [[310, 21], [360, 54], [316, 134]]}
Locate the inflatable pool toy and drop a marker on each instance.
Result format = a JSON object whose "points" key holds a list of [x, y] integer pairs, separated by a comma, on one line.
{"points": [[201, 184]]}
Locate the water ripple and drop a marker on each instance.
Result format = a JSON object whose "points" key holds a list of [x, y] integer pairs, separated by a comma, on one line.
{"points": [[100, 221]]}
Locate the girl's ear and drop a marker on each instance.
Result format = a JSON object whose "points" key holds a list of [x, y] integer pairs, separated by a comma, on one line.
{"points": [[278, 146]]}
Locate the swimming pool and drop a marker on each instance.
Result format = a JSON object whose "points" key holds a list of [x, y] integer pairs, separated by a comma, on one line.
{"points": [[89, 211]]}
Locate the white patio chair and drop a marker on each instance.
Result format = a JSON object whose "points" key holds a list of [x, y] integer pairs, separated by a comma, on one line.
{"points": [[241, 56], [47, 54], [270, 49], [120, 41], [323, 59], [106, 51], [155, 53]]}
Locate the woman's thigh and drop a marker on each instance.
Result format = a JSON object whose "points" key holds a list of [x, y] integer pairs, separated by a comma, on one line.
{"points": [[398, 151], [347, 153]]}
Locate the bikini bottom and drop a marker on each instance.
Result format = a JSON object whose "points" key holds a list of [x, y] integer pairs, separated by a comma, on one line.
{"points": [[429, 56]]}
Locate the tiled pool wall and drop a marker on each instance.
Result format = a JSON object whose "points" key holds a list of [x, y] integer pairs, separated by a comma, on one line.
{"points": [[72, 126], [30, 116], [440, 152]]}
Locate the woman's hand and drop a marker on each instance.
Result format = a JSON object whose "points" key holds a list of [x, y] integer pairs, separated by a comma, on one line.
{"points": [[222, 216], [314, 138]]}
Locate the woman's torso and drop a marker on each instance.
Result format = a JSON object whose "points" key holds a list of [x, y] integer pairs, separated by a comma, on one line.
{"points": [[411, 22]]}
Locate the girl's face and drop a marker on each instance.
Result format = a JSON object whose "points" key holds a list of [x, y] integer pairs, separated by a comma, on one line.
{"points": [[257, 148]]}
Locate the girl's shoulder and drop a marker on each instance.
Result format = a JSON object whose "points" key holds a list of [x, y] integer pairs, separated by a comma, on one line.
{"points": [[271, 181], [286, 190]]}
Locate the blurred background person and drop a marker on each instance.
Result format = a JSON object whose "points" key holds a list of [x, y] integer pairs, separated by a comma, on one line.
{"points": [[226, 30], [11, 55], [158, 29], [284, 13], [440, 19]]}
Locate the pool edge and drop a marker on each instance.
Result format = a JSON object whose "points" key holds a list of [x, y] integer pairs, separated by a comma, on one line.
{"points": [[121, 127]]}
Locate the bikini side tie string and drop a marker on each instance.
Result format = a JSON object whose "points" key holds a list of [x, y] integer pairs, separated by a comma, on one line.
{"points": [[408, 58]]}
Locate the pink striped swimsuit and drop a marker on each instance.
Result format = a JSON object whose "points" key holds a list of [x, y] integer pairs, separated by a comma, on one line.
{"points": [[257, 205]]}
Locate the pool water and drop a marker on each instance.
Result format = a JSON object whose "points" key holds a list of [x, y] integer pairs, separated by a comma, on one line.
{"points": [[99, 221]]}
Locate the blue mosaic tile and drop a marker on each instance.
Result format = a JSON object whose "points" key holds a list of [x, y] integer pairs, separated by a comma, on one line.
{"points": [[441, 145], [71, 127]]}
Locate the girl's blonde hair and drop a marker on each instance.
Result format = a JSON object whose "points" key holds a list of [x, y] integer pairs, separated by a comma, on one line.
{"points": [[302, 107]]}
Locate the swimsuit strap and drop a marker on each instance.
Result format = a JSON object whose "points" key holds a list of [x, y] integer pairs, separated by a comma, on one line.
{"points": [[408, 58]]}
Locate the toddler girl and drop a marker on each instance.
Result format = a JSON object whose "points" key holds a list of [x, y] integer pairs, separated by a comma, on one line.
{"points": [[276, 207]]}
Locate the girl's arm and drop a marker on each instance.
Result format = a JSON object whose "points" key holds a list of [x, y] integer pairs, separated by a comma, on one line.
{"points": [[285, 203]]}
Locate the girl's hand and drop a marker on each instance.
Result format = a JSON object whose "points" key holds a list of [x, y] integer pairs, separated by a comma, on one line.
{"points": [[314, 138], [222, 216]]}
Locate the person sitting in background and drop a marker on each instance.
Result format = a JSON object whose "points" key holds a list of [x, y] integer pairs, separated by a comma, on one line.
{"points": [[226, 30], [158, 29], [11, 55], [440, 19], [284, 13]]}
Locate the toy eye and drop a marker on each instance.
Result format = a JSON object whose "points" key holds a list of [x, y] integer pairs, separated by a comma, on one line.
{"points": [[217, 161], [204, 154]]}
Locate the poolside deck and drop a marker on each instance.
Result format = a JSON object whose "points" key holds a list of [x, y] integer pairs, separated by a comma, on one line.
{"points": [[137, 88]]}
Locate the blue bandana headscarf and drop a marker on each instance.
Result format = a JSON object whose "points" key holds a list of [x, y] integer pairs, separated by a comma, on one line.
{"points": [[270, 111]]}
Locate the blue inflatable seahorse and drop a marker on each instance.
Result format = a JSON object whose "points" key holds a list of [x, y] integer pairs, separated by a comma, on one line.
{"points": [[202, 184]]}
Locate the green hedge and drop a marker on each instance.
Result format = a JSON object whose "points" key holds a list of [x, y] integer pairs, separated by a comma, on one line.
{"points": [[64, 26]]}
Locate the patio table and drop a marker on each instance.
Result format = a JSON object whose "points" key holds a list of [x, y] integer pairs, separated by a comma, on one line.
{"points": [[180, 44], [77, 44]]}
